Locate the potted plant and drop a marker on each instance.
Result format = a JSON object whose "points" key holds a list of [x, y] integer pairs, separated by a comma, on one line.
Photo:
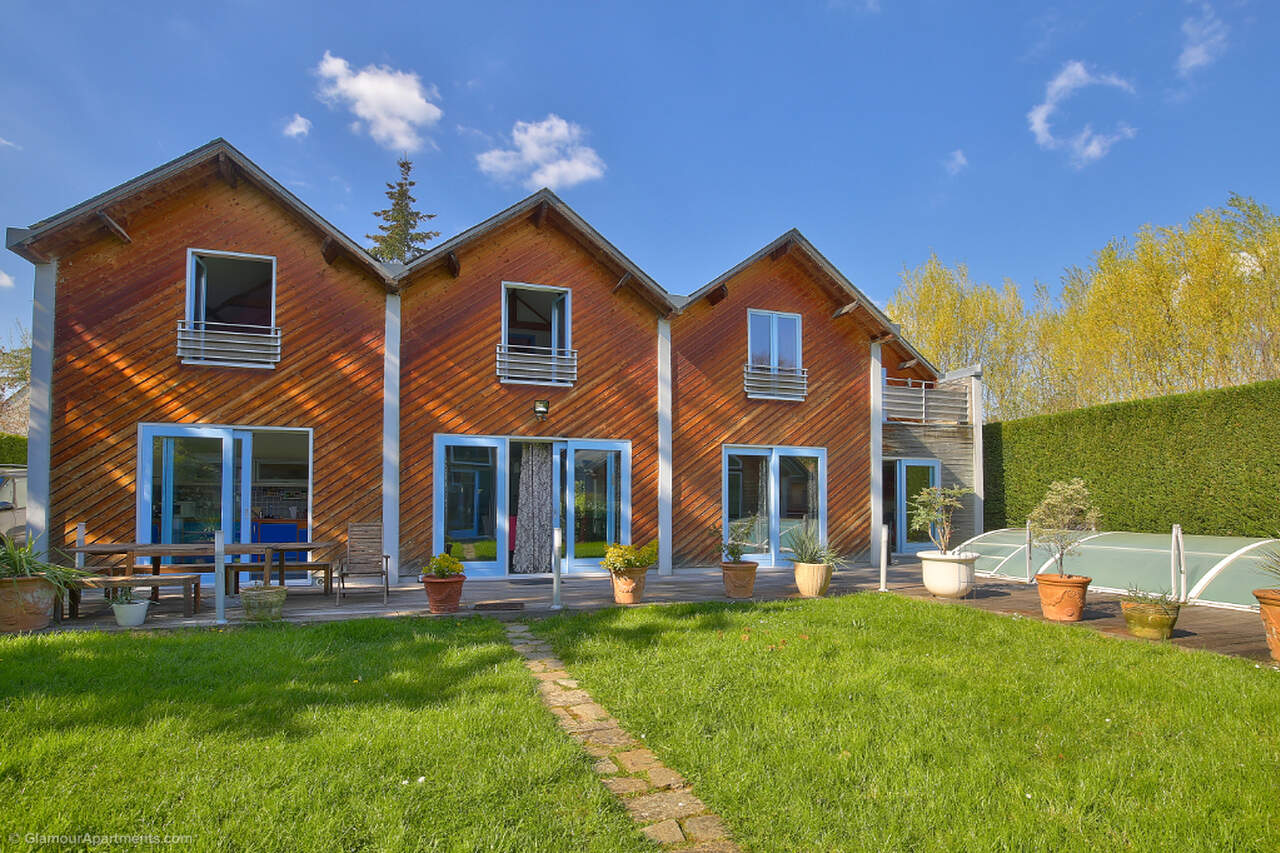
{"points": [[813, 560], [627, 566], [29, 586], [443, 579], [130, 611], [1061, 520], [1269, 603], [945, 574], [262, 602], [739, 575], [1149, 615]]}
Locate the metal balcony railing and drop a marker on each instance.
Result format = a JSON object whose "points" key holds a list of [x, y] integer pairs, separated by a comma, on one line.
{"points": [[918, 401], [228, 344], [767, 383], [537, 365]]}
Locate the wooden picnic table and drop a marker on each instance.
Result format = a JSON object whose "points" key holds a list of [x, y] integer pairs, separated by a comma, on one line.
{"points": [[269, 551]]}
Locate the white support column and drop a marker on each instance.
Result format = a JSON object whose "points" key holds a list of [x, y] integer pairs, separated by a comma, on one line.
{"points": [[665, 545], [877, 451], [391, 436], [40, 425], [976, 415]]}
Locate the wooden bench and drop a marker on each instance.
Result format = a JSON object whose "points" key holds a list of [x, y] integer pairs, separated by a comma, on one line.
{"points": [[190, 588], [233, 572]]}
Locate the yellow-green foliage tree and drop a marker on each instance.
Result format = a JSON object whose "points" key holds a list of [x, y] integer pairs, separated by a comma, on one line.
{"points": [[1181, 308]]}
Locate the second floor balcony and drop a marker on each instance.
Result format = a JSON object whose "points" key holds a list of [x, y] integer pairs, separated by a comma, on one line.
{"points": [[228, 344], [537, 365], [775, 383]]}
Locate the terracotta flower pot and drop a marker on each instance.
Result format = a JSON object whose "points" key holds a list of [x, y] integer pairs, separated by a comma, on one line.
{"points": [[1269, 605], [812, 579], [1150, 621], [263, 603], [443, 594], [26, 604], [628, 585], [739, 579], [1062, 596]]}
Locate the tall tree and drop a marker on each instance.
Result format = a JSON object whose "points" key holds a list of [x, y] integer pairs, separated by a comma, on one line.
{"points": [[15, 362], [400, 240]]}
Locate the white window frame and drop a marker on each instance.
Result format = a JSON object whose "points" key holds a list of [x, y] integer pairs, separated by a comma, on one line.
{"points": [[192, 255], [774, 453], [773, 336], [568, 324]]}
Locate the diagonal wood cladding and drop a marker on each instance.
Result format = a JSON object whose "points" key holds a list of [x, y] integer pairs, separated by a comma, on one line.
{"points": [[448, 384], [116, 365]]}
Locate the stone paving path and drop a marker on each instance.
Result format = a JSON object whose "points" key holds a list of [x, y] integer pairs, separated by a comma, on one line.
{"points": [[658, 798]]}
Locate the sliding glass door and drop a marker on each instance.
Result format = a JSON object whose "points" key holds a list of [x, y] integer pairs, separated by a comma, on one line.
{"points": [[769, 492], [471, 503], [913, 476], [597, 501], [193, 481]]}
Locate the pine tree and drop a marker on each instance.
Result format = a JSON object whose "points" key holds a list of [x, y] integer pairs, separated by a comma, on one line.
{"points": [[399, 241]]}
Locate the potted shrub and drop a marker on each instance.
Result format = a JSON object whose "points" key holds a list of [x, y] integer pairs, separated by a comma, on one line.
{"points": [[1149, 615], [262, 602], [627, 566], [739, 575], [813, 560], [1269, 603], [130, 611], [1061, 520], [442, 578], [945, 574], [29, 586]]}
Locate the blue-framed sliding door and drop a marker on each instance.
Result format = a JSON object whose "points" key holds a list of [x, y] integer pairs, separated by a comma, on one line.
{"points": [[913, 475], [470, 506], [767, 492], [597, 499]]}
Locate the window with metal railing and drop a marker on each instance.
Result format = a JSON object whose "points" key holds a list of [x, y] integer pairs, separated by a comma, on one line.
{"points": [[537, 336], [774, 369], [230, 311]]}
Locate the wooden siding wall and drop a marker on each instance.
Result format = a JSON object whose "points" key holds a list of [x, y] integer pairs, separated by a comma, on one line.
{"points": [[709, 344], [952, 446], [450, 330], [115, 360]]}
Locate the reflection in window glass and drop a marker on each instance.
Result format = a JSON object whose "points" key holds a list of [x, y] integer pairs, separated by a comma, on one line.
{"points": [[761, 340], [597, 497], [788, 329], [470, 503], [798, 485], [748, 508]]}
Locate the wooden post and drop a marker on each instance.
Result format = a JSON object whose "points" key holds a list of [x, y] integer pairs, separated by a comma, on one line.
{"points": [[219, 578]]}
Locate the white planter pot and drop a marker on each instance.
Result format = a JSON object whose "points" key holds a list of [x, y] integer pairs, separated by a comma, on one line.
{"points": [[947, 575], [130, 615]]}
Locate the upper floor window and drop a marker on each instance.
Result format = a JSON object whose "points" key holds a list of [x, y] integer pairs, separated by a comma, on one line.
{"points": [[774, 368], [231, 310], [537, 335]]}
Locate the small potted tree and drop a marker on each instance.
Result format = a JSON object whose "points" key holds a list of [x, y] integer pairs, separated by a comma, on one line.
{"points": [[1269, 603], [1063, 518], [29, 586], [812, 559], [129, 610], [1149, 615], [443, 579], [262, 602], [627, 566], [739, 575], [946, 575]]}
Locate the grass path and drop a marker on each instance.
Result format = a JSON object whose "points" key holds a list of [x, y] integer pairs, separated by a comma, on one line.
{"points": [[881, 723], [363, 735]]}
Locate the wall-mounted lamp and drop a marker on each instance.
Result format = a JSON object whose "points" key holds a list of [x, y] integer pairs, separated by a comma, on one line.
{"points": [[541, 408]]}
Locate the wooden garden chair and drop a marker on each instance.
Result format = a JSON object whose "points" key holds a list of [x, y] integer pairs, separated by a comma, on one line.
{"points": [[364, 557]]}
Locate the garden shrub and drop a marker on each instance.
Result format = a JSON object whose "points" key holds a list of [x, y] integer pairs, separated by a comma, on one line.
{"points": [[13, 449]]}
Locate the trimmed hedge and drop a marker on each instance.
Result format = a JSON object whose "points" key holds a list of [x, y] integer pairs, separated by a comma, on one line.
{"points": [[1207, 460], [13, 449]]}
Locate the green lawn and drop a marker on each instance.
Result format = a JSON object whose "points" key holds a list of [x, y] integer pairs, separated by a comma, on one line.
{"points": [[875, 722], [295, 738]]}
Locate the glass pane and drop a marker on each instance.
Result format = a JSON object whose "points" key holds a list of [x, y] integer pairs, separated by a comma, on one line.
{"points": [[196, 483], [237, 291], [917, 477], [799, 497], [749, 501], [470, 503], [532, 317], [788, 342], [597, 502], [760, 334]]}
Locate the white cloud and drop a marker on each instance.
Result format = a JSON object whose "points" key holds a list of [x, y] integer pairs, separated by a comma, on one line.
{"points": [[547, 153], [6, 280], [1204, 39], [297, 126], [956, 162], [1087, 145], [7, 144], [393, 105]]}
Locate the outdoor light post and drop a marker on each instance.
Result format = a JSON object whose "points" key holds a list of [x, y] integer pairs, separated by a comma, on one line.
{"points": [[219, 578], [555, 572]]}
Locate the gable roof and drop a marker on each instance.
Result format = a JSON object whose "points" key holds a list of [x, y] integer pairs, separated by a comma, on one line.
{"points": [[546, 201], [21, 240], [794, 238]]}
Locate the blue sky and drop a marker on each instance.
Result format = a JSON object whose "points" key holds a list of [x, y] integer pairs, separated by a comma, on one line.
{"points": [[1015, 139]]}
